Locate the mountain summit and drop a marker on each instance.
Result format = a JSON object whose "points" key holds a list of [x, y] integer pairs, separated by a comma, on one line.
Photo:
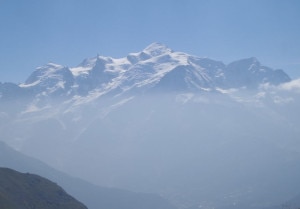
{"points": [[156, 49], [156, 67]]}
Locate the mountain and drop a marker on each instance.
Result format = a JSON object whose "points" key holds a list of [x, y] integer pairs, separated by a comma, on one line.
{"points": [[253, 75], [156, 69], [198, 132], [27, 191], [95, 197], [156, 66]]}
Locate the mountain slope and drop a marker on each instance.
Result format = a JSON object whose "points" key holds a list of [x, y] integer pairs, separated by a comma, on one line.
{"points": [[95, 197], [29, 191]]}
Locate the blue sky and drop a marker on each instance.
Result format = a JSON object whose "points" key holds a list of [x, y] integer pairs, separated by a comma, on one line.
{"points": [[35, 32]]}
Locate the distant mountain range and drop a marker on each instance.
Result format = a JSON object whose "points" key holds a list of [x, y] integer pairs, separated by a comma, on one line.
{"points": [[156, 68], [198, 132]]}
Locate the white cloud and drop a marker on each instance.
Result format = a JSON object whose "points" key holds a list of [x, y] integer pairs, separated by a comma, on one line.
{"points": [[282, 100], [293, 85]]}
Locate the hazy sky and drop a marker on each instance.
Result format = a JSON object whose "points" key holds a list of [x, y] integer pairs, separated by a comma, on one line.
{"points": [[35, 32]]}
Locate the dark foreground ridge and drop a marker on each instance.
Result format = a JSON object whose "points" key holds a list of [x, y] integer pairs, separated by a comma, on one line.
{"points": [[29, 191]]}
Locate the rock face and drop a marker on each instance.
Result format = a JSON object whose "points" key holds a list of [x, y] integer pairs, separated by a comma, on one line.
{"points": [[28, 191], [250, 73]]}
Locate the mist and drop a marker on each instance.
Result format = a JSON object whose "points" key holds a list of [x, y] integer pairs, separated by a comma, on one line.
{"points": [[236, 149]]}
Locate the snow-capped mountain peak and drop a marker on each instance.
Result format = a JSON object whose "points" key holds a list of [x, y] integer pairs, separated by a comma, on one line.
{"points": [[49, 78], [156, 68], [42, 73], [156, 49]]}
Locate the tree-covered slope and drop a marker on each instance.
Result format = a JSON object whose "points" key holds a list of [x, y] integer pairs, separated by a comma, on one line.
{"points": [[29, 191]]}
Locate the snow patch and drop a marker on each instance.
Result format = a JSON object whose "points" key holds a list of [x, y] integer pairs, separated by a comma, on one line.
{"points": [[34, 108], [106, 111], [184, 98], [23, 85]]}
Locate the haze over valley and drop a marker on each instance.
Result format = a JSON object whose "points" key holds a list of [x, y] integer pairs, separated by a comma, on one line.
{"points": [[193, 131]]}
